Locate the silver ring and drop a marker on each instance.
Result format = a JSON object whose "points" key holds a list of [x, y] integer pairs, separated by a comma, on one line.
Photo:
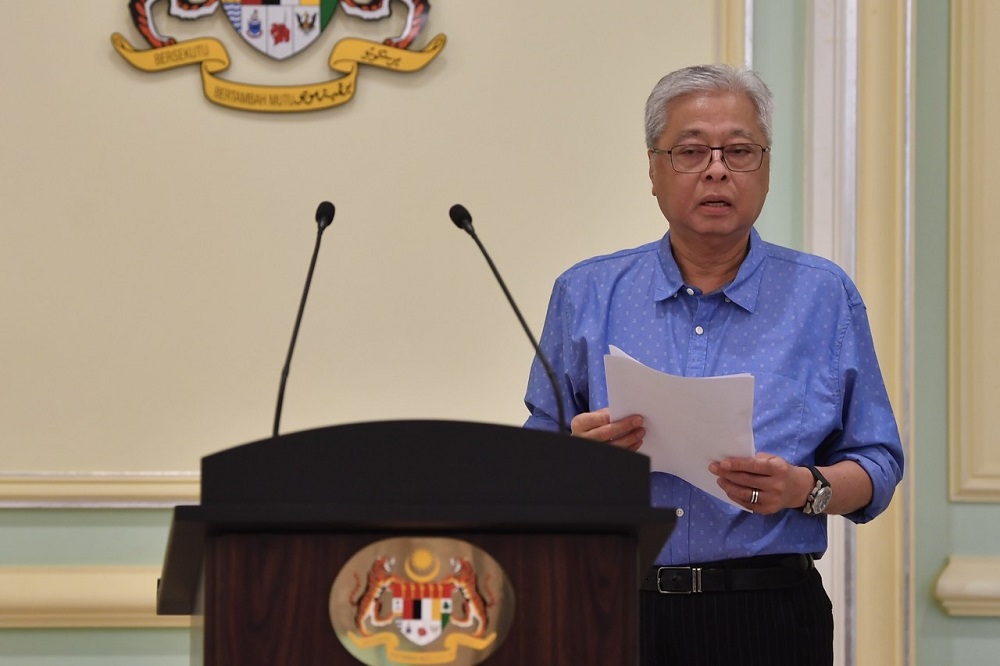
{"points": [[754, 496]]}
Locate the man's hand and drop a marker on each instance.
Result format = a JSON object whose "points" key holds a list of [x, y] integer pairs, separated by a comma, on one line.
{"points": [[626, 433], [778, 484], [781, 485]]}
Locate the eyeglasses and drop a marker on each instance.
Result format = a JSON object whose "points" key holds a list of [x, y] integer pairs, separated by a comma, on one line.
{"points": [[695, 157]]}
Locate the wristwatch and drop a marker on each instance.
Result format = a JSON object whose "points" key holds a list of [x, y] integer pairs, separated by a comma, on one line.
{"points": [[821, 494]]}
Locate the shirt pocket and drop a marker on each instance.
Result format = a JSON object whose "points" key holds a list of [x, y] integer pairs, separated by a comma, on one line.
{"points": [[778, 412]]}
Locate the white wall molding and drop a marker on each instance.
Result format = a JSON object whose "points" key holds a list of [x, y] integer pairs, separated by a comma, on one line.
{"points": [[829, 230], [884, 273], [735, 43], [974, 364], [87, 490], [831, 122], [970, 586], [82, 597]]}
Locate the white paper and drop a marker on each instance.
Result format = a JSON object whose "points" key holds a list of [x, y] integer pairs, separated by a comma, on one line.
{"points": [[689, 421]]}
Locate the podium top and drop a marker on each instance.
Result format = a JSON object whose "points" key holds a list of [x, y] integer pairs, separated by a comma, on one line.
{"points": [[431, 477], [425, 462]]}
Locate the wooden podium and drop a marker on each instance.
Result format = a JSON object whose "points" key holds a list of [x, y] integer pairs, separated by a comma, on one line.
{"points": [[567, 519]]}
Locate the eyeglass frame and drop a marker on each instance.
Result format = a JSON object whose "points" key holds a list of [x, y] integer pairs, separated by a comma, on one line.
{"points": [[722, 152]]}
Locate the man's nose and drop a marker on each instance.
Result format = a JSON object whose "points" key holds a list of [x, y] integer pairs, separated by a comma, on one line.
{"points": [[717, 165]]}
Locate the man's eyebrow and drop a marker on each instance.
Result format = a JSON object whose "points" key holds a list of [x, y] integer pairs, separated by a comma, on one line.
{"points": [[696, 133], [686, 134]]}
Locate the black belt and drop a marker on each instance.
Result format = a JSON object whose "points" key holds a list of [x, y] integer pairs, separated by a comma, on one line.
{"points": [[764, 572]]}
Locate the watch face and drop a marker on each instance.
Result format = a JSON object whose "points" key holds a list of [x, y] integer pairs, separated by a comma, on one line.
{"points": [[822, 499]]}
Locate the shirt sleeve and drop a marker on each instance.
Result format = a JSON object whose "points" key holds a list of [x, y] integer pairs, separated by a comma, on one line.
{"points": [[870, 436], [540, 398]]}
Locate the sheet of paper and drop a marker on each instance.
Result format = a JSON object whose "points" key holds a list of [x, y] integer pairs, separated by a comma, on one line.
{"points": [[689, 421]]}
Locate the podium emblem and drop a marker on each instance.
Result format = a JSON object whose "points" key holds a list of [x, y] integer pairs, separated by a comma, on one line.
{"points": [[421, 601]]}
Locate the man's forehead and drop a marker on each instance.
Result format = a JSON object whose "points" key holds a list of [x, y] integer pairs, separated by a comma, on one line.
{"points": [[716, 113]]}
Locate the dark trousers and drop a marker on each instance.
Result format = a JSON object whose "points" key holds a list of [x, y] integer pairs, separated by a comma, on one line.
{"points": [[790, 626]]}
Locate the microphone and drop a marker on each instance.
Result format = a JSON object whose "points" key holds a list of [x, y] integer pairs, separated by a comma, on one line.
{"points": [[324, 216], [463, 220]]}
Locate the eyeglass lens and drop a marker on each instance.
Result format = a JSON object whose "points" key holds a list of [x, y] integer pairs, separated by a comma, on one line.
{"points": [[694, 158]]}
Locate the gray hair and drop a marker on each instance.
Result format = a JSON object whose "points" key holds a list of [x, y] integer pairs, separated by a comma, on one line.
{"points": [[701, 79]]}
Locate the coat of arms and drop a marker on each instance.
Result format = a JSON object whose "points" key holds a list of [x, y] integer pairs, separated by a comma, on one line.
{"points": [[421, 601], [278, 29]]}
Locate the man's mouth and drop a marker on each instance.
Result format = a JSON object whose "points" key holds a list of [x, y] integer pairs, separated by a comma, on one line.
{"points": [[715, 204]]}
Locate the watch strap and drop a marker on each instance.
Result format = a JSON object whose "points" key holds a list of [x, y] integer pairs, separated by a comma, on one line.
{"points": [[819, 485]]}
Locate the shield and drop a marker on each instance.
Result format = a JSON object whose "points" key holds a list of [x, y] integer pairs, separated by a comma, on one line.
{"points": [[279, 28], [422, 610]]}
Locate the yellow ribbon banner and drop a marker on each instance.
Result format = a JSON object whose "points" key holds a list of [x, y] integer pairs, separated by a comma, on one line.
{"points": [[347, 54], [397, 656]]}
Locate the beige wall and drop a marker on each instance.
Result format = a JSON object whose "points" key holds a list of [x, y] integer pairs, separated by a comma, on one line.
{"points": [[153, 246]]}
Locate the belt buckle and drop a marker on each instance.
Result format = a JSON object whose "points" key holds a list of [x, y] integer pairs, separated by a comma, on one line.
{"points": [[695, 586]]}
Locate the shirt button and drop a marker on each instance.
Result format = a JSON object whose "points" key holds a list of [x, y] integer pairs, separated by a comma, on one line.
{"points": [[727, 300], [690, 291], [699, 330], [680, 513]]}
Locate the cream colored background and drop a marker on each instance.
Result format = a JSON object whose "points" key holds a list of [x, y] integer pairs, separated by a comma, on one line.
{"points": [[150, 276], [153, 246]]}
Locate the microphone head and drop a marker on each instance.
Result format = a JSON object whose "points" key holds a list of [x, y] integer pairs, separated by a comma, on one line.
{"points": [[324, 214], [461, 217]]}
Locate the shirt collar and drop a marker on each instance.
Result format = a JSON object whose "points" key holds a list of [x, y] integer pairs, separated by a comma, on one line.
{"points": [[743, 290]]}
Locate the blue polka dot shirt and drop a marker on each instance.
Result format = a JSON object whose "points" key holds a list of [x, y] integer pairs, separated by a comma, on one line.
{"points": [[795, 321]]}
